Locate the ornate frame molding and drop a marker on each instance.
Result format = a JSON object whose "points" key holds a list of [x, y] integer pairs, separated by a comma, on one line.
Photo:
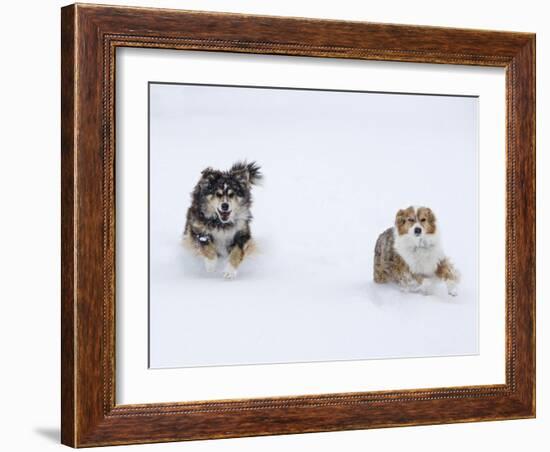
{"points": [[90, 36]]}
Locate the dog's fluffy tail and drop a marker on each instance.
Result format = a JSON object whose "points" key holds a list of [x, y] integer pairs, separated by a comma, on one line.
{"points": [[252, 171]]}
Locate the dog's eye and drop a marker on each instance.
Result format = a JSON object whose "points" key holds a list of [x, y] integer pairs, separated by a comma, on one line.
{"points": [[231, 195], [219, 195], [411, 220], [423, 220]]}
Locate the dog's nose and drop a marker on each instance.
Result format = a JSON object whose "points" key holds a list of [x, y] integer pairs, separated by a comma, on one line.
{"points": [[224, 206], [417, 231]]}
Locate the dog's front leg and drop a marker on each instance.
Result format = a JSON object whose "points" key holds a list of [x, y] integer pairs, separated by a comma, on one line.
{"points": [[236, 256], [449, 274], [210, 264], [208, 252], [426, 287], [408, 282], [242, 245]]}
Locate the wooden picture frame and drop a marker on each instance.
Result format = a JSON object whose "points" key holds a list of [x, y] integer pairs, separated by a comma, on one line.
{"points": [[90, 35]]}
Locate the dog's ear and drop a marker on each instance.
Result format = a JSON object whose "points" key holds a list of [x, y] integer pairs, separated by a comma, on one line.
{"points": [[209, 173], [429, 214], [241, 175], [208, 176], [400, 218], [247, 173]]}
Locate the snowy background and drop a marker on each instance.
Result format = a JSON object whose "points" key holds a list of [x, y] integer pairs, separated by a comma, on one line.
{"points": [[337, 168]]}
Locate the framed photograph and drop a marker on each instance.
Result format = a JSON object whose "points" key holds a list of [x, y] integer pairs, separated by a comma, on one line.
{"points": [[280, 225]]}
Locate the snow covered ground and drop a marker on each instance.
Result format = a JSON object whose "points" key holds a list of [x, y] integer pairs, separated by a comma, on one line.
{"points": [[337, 168]]}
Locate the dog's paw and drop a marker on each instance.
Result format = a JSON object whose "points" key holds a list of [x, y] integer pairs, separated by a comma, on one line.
{"points": [[426, 288], [452, 290], [210, 265], [229, 272]]}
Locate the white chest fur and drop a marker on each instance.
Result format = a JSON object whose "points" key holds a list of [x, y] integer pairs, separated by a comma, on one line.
{"points": [[421, 255], [222, 239]]}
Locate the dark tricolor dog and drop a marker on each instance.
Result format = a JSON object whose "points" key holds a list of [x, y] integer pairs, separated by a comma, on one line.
{"points": [[218, 221]]}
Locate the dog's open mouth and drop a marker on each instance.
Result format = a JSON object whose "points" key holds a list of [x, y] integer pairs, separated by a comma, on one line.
{"points": [[224, 215]]}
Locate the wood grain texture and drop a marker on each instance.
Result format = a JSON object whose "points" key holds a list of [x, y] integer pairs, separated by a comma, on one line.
{"points": [[90, 36], [68, 244]]}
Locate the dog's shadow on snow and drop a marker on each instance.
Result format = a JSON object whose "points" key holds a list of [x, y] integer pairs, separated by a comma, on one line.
{"points": [[390, 296], [191, 266]]}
